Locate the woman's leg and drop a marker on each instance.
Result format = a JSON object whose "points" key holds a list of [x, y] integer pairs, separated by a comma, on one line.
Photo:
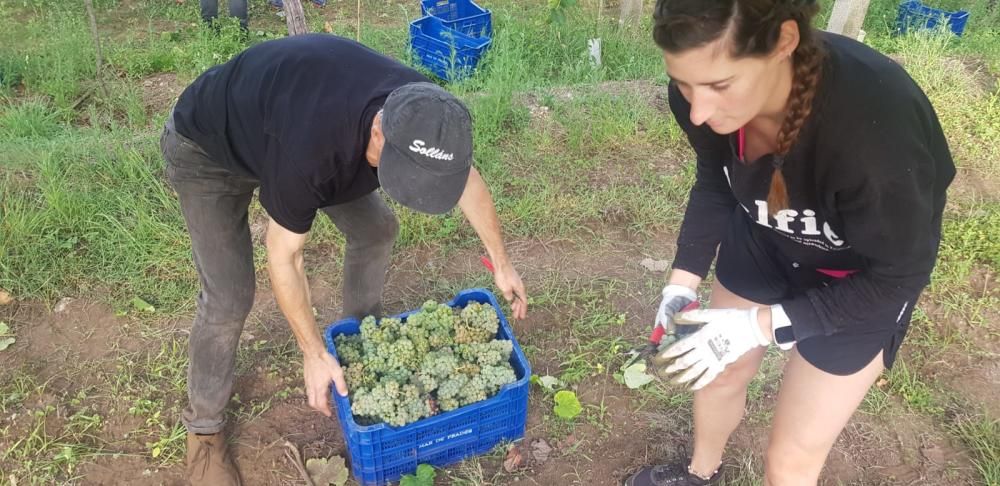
{"points": [[813, 407], [719, 406]]}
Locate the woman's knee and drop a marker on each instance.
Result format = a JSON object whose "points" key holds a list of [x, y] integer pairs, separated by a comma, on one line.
{"points": [[739, 374], [788, 463]]}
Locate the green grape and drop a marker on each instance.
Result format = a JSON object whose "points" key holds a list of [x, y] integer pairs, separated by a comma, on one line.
{"points": [[477, 323], [448, 404], [398, 375], [389, 330], [409, 392], [437, 321], [368, 348], [439, 363], [438, 360], [468, 369], [426, 381], [495, 352], [415, 409], [451, 387], [418, 336], [407, 405], [373, 405], [391, 389], [474, 391], [440, 338], [405, 354], [349, 348], [385, 352], [368, 328], [495, 377], [374, 363], [492, 353], [358, 377]]}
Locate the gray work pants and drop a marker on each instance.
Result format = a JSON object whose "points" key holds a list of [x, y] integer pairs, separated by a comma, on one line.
{"points": [[215, 204], [237, 8]]}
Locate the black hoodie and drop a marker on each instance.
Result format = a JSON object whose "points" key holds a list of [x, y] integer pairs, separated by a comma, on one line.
{"points": [[866, 183]]}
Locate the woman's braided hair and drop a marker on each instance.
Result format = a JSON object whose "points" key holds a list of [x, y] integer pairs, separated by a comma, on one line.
{"points": [[754, 27]]}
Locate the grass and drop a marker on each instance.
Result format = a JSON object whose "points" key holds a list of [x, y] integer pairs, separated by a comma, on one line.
{"points": [[982, 435], [587, 168], [108, 220], [981, 33]]}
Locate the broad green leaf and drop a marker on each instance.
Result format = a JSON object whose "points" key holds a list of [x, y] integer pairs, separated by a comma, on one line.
{"points": [[567, 405], [6, 342], [326, 472], [547, 382], [426, 472], [424, 477], [142, 306], [635, 376]]}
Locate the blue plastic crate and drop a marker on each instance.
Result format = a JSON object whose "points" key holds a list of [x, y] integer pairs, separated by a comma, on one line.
{"points": [[917, 16], [449, 54], [464, 16], [381, 453]]}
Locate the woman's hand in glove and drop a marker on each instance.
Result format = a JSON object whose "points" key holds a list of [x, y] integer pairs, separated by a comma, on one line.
{"points": [[675, 298], [726, 335]]}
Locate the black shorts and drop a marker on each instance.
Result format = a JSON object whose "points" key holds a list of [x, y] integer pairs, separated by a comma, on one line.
{"points": [[752, 266]]}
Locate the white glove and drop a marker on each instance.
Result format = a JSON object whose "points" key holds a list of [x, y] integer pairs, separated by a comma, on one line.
{"points": [[675, 298], [726, 335]]}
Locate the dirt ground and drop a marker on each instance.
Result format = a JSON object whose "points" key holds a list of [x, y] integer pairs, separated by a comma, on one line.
{"points": [[897, 447], [81, 345]]}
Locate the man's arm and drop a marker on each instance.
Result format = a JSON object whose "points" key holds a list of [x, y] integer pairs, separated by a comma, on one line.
{"points": [[286, 266], [477, 205]]}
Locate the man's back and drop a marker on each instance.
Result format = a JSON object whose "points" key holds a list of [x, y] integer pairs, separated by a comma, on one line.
{"points": [[294, 113]]}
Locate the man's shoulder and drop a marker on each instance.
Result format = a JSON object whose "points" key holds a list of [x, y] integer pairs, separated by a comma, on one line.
{"points": [[314, 50]]}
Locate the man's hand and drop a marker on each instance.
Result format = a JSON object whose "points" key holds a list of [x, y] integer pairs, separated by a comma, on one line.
{"points": [[320, 370], [509, 282], [286, 265], [727, 335]]}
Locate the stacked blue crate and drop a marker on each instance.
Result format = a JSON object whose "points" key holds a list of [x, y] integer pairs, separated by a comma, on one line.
{"points": [[451, 37], [917, 16]]}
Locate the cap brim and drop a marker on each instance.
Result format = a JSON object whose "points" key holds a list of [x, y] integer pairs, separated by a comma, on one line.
{"points": [[412, 186]]}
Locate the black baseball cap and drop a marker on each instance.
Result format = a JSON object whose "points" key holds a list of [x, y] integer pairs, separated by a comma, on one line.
{"points": [[427, 155]]}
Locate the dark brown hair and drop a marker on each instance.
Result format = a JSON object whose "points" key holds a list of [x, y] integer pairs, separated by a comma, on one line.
{"points": [[754, 27]]}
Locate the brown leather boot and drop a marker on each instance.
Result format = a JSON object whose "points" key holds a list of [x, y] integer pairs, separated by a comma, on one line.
{"points": [[209, 462]]}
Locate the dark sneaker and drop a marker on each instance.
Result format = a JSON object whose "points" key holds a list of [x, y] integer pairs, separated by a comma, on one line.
{"points": [[669, 475], [209, 462]]}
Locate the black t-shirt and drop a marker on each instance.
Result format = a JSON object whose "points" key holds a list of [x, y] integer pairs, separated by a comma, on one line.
{"points": [[866, 183], [296, 114]]}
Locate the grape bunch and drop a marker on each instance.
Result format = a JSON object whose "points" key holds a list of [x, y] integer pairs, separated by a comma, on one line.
{"points": [[477, 323], [440, 359]]}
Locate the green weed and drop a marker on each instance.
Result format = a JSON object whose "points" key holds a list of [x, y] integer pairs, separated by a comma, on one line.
{"points": [[982, 435]]}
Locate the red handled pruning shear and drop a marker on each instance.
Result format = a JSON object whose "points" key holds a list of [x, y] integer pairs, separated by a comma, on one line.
{"points": [[650, 348], [489, 266]]}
